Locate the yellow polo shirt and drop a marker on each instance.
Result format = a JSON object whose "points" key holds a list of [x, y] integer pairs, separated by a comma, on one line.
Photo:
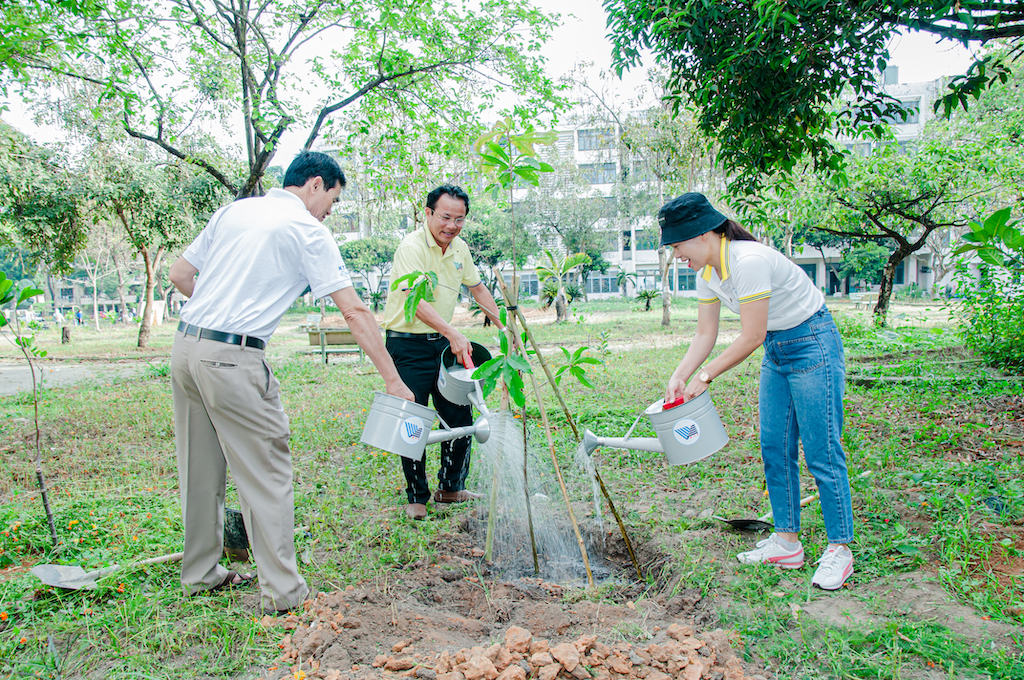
{"points": [[454, 268]]}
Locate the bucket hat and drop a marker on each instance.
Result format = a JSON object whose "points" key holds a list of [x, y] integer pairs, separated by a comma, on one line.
{"points": [[686, 217]]}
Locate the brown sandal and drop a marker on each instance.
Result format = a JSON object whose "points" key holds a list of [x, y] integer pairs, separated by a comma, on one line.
{"points": [[229, 581]]}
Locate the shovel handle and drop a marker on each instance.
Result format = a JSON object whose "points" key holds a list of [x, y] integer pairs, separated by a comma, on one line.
{"points": [[173, 557], [804, 502]]}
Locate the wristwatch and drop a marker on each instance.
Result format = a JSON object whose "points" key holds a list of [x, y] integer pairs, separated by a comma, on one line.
{"points": [[704, 377]]}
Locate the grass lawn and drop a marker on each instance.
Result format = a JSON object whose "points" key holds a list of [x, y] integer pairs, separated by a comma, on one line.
{"points": [[938, 589]]}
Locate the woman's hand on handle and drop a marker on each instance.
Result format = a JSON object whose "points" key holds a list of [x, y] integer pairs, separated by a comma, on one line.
{"points": [[695, 388], [675, 389]]}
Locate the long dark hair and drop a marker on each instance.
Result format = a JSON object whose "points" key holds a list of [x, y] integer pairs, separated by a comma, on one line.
{"points": [[731, 230]]}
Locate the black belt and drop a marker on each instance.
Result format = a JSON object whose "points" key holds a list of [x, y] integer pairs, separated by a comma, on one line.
{"points": [[414, 336], [229, 338]]}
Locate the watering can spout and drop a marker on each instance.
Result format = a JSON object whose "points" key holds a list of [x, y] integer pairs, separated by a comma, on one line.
{"points": [[591, 441], [481, 429]]}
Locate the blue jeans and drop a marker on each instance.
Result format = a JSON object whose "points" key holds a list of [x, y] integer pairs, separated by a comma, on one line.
{"points": [[801, 398]]}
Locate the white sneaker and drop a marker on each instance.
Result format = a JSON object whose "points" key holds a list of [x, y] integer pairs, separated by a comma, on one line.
{"points": [[834, 567], [770, 551]]}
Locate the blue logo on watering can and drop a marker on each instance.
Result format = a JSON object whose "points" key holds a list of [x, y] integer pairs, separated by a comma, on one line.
{"points": [[686, 431], [441, 381], [411, 430]]}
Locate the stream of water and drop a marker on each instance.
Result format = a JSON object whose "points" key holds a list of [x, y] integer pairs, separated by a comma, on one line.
{"points": [[522, 486]]}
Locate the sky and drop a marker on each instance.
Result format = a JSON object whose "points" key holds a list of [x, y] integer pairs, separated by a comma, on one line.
{"points": [[581, 39]]}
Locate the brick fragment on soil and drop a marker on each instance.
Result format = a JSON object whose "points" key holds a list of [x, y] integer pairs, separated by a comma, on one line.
{"points": [[677, 652], [518, 639], [567, 655]]}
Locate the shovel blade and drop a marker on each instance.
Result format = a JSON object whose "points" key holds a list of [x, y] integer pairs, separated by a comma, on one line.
{"points": [[65, 576], [746, 524]]}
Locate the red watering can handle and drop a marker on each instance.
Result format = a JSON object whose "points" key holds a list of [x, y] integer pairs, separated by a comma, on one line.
{"points": [[673, 404]]}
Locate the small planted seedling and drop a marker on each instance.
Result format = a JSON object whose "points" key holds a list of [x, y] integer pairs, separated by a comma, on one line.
{"points": [[507, 366], [574, 366], [26, 343], [421, 288]]}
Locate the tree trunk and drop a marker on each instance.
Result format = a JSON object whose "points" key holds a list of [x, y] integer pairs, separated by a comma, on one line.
{"points": [[561, 308], [147, 316], [665, 264], [95, 305], [885, 288], [168, 293], [49, 286], [120, 286]]}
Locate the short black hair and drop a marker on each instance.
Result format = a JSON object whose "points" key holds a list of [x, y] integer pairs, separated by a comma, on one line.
{"points": [[455, 192], [309, 164]]}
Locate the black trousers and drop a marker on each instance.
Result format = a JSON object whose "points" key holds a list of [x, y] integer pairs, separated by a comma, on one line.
{"points": [[418, 361]]}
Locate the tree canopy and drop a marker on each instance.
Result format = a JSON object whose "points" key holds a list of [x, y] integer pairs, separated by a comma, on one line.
{"points": [[766, 75], [250, 71]]}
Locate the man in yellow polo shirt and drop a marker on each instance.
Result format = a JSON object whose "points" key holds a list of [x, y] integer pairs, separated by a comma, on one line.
{"points": [[416, 347]]}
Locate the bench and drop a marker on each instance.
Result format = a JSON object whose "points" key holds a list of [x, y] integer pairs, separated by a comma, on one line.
{"points": [[865, 300], [331, 340]]}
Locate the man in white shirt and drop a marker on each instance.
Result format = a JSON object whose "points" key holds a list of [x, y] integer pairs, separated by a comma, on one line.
{"points": [[256, 257]]}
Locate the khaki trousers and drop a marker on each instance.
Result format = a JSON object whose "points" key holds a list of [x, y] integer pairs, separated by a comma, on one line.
{"points": [[228, 414]]}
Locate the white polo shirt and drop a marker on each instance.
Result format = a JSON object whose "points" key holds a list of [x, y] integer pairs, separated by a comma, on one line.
{"points": [[255, 258], [753, 271]]}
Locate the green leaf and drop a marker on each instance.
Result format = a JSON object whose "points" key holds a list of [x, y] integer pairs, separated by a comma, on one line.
{"points": [[515, 390], [27, 293], [519, 363]]}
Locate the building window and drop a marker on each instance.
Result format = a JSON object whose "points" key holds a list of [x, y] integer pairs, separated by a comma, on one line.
{"points": [[648, 279], [648, 239], [597, 138], [913, 107], [812, 272], [598, 173], [529, 284], [67, 293], [901, 270], [687, 280], [601, 283], [642, 171]]}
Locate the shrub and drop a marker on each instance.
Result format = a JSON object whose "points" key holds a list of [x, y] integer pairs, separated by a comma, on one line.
{"points": [[990, 312]]}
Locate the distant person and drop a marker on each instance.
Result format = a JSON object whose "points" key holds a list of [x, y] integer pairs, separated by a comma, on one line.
{"points": [[255, 257], [78, 317], [416, 347], [58, 317], [802, 373]]}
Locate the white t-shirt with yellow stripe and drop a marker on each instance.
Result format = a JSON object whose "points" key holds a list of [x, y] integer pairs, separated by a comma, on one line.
{"points": [[753, 271]]}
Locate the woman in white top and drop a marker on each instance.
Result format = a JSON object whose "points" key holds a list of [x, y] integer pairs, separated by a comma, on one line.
{"points": [[802, 373]]}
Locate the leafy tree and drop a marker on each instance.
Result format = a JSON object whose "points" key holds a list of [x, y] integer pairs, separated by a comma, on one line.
{"points": [[43, 203], [899, 196], [247, 68], [597, 264], [864, 262], [765, 74], [370, 257], [159, 207], [490, 238]]}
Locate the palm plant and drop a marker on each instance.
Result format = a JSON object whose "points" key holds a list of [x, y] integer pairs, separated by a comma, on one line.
{"points": [[555, 269], [647, 295], [623, 279]]}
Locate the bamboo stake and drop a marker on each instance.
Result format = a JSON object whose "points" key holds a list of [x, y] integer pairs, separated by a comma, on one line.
{"points": [[576, 433], [551, 442], [513, 297]]}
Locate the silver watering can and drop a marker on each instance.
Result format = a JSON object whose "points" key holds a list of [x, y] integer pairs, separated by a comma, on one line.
{"points": [[687, 432], [405, 427]]}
